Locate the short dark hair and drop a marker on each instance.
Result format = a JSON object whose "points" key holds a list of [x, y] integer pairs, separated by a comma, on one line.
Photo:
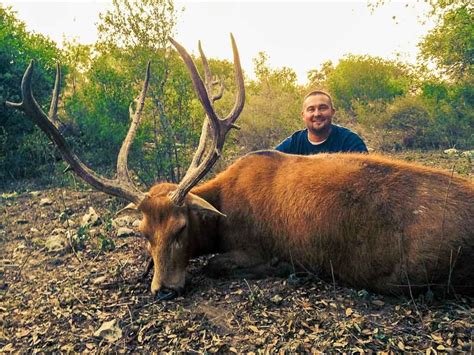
{"points": [[320, 92]]}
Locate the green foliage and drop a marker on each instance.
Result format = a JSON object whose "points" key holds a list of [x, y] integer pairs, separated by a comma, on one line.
{"points": [[451, 44], [170, 130], [137, 24], [105, 243], [453, 105], [318, 78], [99, 106], [80, 239], [19, 140], [408, 122], [101, 82], [272, 109], [130, 36], [78, 58], [364, 79]]}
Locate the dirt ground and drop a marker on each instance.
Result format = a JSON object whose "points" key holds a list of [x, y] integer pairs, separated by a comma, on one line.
{"points": [[67, 288]]}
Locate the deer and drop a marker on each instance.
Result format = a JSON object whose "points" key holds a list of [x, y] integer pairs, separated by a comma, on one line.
{"points": [[368, 221]]}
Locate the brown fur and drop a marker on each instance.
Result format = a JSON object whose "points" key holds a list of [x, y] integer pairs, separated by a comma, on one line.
{"points": [[376, 223]]}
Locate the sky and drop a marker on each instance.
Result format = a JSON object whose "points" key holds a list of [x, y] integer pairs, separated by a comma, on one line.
{"points": [[297, 34]]}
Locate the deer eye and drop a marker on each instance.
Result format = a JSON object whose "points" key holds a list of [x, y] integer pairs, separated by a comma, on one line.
{"points": [[177, 244], [178, 238]]}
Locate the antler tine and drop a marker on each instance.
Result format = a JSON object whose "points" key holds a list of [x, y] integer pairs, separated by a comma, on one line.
{"points": [[207, 71], [197, 81], [214, 128], [209, 83], [31, 108], [122, 160], [218, 96], [203, 90], [53, 108], [239, 78]]}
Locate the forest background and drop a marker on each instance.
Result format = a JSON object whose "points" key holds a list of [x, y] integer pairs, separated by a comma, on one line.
{"points": [[393, 105]]}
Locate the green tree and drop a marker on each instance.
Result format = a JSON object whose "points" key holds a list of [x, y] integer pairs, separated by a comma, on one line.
{"points": [[272, 108], [78, 59], [452, 104], [448, 90], [20, 142], [365, 79], [138, 23], [318, 78], [450, 45], [131, 34]]}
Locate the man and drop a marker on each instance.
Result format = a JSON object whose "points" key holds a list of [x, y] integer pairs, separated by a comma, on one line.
{"points": [[320, 135]]}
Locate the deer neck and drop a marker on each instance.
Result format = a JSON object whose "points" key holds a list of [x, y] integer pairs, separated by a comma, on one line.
{"points": [[205, 229], [210, 191]]}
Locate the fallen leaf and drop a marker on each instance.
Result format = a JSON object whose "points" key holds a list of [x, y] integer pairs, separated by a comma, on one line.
{"points": [[401, 346], [56, 243], [276, 299], [254, 329], [91, 218], [46, 202], [7, 348], [124, 231], [349, 311], [22, 333], [109, 331], [68, 348], [99, 280]]}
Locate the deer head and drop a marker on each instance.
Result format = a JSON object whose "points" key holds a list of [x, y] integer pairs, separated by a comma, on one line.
{"points": [[167, 209]]}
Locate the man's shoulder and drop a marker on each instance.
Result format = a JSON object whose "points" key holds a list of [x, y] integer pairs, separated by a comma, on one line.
{"points": [[345, 140], [293, 142], [299, 134], [343, 131]]}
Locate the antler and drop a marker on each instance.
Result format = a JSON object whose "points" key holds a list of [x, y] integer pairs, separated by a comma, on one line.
{"points": [[122, 186], [214, 128]]}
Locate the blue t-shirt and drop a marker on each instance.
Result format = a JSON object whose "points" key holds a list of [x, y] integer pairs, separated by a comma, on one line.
{"points": [[340, 140]]}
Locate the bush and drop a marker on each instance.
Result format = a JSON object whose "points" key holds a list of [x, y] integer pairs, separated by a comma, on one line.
{"points": [[408, 120], [405, 123]]}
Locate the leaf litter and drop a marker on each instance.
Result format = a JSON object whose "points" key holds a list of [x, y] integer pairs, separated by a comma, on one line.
{"points": [[87, 296]]}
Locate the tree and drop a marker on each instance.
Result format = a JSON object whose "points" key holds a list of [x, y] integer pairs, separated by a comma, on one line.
{"points": [[365, 79], [138, 23], [272, 108], [450, 46], [451, 43], [20, 142], [318, 78], [130, 35], [448, 91]]}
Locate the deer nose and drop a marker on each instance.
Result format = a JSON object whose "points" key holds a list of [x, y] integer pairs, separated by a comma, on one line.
{"points": [[165, 294]]}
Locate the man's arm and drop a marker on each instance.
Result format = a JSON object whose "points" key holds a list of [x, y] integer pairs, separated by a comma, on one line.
{"points": [[285, 146]]}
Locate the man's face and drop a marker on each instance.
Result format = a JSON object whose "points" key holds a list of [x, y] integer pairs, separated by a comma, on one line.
{"points": [[317, 113]]}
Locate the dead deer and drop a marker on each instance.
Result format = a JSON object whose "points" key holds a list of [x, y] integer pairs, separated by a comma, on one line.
{"points": [[372, 222]]}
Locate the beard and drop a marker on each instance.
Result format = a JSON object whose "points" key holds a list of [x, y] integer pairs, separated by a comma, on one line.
{"points": [[319, 125]]}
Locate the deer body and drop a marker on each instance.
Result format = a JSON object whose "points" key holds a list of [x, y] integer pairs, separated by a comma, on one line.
{"points": [[375, 223]]}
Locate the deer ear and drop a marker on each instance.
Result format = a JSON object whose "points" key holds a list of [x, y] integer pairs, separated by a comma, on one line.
{"points": [[199, 204]]}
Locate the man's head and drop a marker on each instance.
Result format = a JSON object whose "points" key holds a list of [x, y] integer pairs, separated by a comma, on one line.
{"points": [[318, 112]]}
